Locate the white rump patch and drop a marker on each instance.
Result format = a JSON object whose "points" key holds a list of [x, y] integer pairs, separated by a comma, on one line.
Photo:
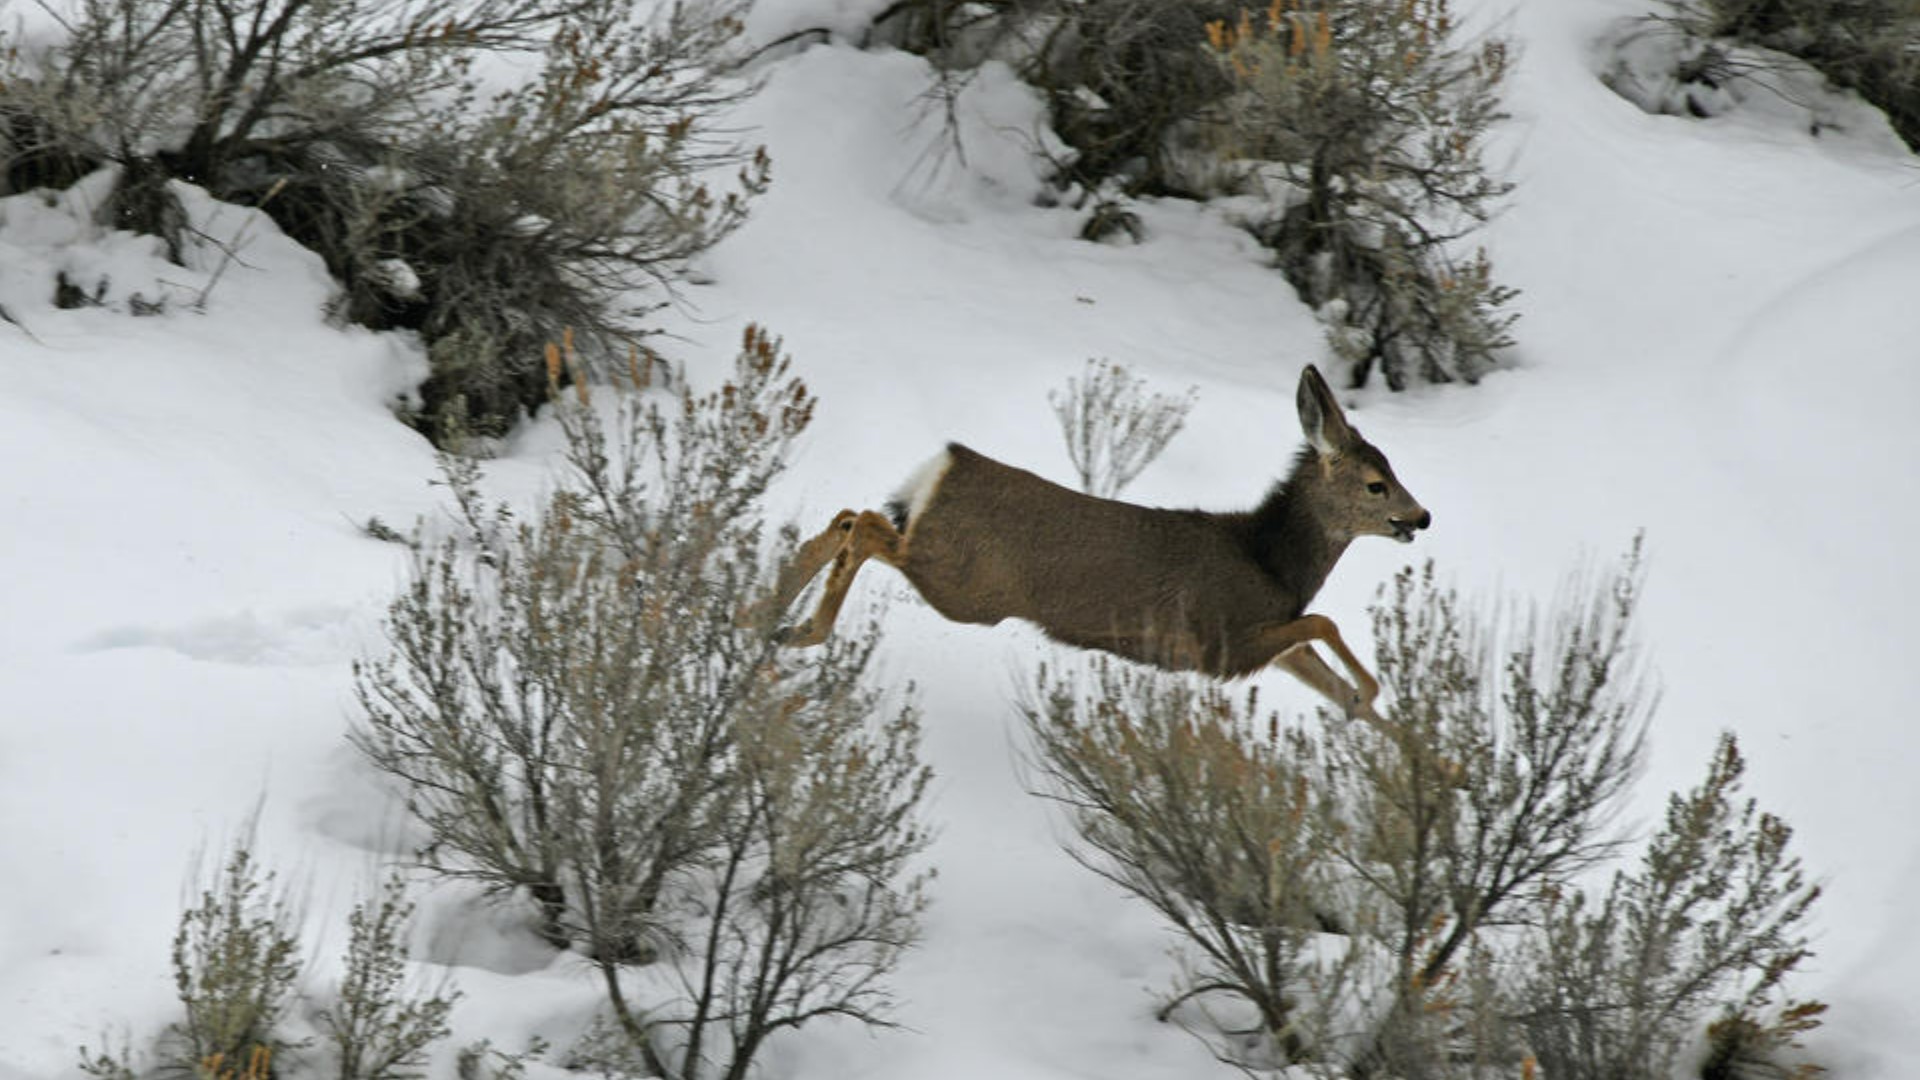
{"points": [[919, 488]]}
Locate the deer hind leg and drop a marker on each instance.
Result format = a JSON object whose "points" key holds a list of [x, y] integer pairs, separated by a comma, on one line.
{"points": [[807, 562], [852, 539], [1291, 645]]}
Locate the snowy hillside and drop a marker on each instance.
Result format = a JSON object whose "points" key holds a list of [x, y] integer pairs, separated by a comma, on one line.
{"points": [[1717, 346]]}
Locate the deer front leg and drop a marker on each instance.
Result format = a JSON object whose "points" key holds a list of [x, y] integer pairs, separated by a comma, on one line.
{"points": [[1288, 642], [1303, 662], [858, 537]]}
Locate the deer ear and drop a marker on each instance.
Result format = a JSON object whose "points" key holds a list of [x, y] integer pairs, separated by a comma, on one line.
{"points": [[1320, 416]]}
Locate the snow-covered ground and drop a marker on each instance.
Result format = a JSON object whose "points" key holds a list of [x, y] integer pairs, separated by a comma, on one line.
{"points": [[1718, 347]]}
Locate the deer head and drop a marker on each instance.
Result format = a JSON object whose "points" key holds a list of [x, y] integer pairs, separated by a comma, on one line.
{"points": [[1351, 486]]}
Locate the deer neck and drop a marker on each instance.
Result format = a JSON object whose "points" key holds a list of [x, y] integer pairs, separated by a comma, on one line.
{"points": [[1291, 539]]}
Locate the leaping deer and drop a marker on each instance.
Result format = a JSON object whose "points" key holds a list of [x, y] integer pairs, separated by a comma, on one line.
{"points": [[1221, 593]]}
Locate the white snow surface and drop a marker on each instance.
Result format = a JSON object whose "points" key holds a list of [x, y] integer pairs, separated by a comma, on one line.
{"points": [[1718, 346]]}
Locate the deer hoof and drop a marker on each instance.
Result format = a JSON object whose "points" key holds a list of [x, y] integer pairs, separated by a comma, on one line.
{"points": [[797, 636], [1365, 694], [1362, 709]]}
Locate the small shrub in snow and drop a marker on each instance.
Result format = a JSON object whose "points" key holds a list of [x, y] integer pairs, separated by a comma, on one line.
{"points": [[1124, 80], [110, 1062], [1706, 928], [487, 221], [1112, 427], [1397, 898], [579, 198], [584, 709], [1365, 122], [236, 962], [375, 1028], [542, 686]]}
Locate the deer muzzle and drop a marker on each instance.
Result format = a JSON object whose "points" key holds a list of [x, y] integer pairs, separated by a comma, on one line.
{"points": [[1404, 528]]}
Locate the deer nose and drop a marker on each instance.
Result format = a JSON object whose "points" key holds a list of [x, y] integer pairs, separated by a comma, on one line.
{"points": [[1425, 519]]}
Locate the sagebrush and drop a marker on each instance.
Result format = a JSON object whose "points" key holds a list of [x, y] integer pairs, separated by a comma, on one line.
{"points": [[1707, 927], [1350, 134], [1113, 426], [379, 1027], [590, 715], [237, 960], [489, 220], [1868, 46], [1402, 898], [1366, 124], [248, 1010]]}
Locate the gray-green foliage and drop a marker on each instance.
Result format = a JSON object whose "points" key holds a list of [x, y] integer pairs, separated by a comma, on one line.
{"points": [[377, 1027], [489, 221], [1353, 133], [1706, 926], [811, 896], [1507, 745], [1373, 899], [585, 192], [236, 965], [587, 708], [561, 692], [110, 1062], [1506, 750], [1181, 799], [1124, 80], [1366, 123], [483, 1061]]}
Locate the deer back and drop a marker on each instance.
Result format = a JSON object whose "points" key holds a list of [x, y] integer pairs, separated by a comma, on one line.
{"points": [[986, 541]]}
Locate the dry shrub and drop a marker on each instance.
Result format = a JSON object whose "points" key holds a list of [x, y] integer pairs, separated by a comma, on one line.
{"points": [[588, 716], [488, 221], [1401, 898]]}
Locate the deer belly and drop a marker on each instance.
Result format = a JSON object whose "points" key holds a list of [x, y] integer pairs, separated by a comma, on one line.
{"points": [[1142, 628]]}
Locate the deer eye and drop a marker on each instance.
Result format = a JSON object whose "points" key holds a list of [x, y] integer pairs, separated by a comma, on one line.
{"points": [[1377, 487]]}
